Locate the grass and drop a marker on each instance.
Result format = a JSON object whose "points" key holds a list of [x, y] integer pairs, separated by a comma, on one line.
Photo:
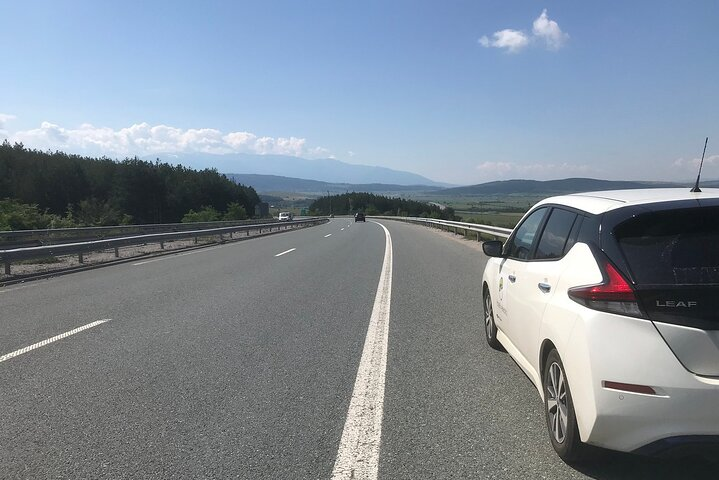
{"points": [[506, 220], [501, 211]]}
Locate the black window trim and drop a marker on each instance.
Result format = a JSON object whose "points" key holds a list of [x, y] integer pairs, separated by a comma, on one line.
{"points": [[581, 216]]}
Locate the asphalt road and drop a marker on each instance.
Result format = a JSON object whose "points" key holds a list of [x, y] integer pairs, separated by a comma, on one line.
{"points": [[233, 362]]}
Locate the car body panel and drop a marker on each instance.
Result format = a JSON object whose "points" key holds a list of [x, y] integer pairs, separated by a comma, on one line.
{"points": [[597, 347]]}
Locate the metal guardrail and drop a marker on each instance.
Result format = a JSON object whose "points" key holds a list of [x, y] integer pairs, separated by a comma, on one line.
{"points": [[465, 226], [48, 236], [80, 248]]}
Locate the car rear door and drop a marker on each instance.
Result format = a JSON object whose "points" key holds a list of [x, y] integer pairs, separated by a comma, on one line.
{"points": [[536, 284]]}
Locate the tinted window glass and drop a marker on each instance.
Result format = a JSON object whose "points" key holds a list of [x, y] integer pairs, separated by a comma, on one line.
{"points": [[555, 234], [521, 243], [672, 247], [574, 233]]}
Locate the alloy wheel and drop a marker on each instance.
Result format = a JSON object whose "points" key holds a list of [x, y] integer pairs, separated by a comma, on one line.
{"points": [[557, 410], [488, 316]]}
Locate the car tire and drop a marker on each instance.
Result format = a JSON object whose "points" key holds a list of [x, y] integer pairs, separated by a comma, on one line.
{"points": [[559, 412], [490, 328]]}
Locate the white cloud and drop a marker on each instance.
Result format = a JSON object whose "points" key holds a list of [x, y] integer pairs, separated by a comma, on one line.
{"points": [[512, 40], [544, 30], [535, 170], [549, 31], [693, 164], [143, 139], [4, 118]]}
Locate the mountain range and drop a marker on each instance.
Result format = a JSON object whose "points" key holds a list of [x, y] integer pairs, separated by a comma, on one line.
{"points": [[552, 187], [324, 170], [277, 184], [280, 173]]}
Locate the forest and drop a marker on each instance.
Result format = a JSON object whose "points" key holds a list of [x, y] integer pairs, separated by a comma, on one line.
{"points": [[55, 189], [371, 204]]}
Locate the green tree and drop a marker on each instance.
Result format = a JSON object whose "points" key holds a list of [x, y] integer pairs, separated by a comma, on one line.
{"points": [[94, 212], [104, 191]]}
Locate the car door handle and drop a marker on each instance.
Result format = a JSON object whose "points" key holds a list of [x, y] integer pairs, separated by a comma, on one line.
{"points": [[544, 287], [512, 278]]}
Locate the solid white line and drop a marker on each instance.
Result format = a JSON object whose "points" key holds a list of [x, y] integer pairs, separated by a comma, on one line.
{"points": [[328, 235], [170, 257], [14, 354], [286, 251], [358, 453]]}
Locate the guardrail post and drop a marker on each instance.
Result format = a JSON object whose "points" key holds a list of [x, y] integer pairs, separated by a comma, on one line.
{"points": [[195, 239], [162, 245], [80, 258], [248, 233], [7, 268], [117, 252], [230, 235]]}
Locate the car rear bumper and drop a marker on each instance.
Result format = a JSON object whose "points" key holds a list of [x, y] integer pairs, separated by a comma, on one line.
{"points": [[682, 410], [701, 445]]}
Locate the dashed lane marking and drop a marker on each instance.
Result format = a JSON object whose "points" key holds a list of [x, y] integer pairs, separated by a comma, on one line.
{"points": [[50, 340]]}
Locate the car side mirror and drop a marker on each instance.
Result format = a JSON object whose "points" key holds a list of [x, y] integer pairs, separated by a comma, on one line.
{"points": [[493, 248]]}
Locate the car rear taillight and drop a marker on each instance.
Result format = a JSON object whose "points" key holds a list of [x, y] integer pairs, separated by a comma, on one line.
{"points": [[613, 295]]}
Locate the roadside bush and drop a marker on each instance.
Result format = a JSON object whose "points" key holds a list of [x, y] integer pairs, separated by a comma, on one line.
{"points": [[21, 216], [235, 211], [205, 214]]}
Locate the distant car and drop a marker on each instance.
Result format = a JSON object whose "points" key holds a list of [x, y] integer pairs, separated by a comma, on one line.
{"points": [[332, 215], [359, 217], [609, 302], [285, 216]]}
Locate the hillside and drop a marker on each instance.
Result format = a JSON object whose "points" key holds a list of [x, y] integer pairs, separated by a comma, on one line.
{"points": [[276, 183], [74, 191], [567, 185]]}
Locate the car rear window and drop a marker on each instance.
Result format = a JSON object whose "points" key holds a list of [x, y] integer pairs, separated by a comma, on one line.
{"points": [[674, 247]]}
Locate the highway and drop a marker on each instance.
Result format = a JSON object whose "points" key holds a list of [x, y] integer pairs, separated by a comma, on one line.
{"points": [[241, 361]]}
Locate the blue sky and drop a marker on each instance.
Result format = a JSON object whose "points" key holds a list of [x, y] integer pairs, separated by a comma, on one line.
{"points": [[459, 91]]}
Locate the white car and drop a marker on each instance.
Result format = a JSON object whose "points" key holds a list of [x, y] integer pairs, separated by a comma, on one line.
{"points": [[285, 217], [609, 302]]}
